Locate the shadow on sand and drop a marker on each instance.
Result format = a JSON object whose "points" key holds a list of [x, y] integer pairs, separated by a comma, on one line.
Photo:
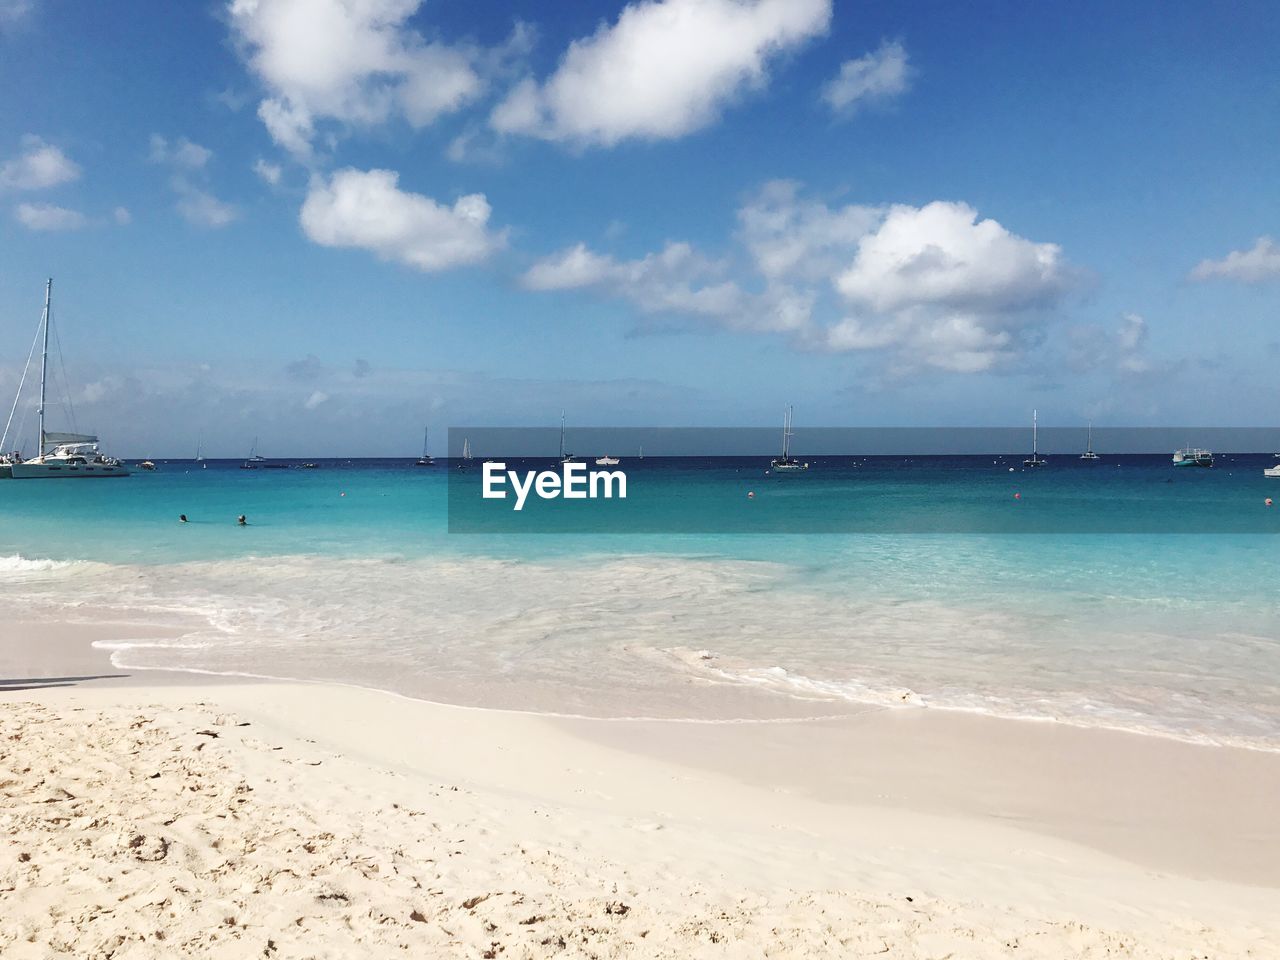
{"points": [[44, 683]]}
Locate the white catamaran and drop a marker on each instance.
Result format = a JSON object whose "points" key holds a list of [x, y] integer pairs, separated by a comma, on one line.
{"points": [[61, 456], [1088, 450], [786, 461]]}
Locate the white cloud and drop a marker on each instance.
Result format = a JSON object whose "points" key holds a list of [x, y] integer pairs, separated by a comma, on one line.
{"points": [[664, 69], [46, 216], [12, 11], [677, 280], [1260, 262], [946, 289], [875, 77], [934, 286], [316, 398], [181, 153], [367, 210], [1121, 351], [201, 208], [122, 216], [269, 173], [1133, 333], [38, 166], [353, 61], [188, 164], [941, 254], [787, 236]]}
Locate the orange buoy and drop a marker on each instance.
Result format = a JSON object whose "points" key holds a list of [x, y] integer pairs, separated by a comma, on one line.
{"points": [[1268, 501], [1017, 496]]}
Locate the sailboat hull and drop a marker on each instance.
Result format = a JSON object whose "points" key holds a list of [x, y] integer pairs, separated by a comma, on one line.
{"points": [[62, 471]]}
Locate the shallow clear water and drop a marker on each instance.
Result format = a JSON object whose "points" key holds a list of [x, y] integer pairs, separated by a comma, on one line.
{"points": [[347, 573]]}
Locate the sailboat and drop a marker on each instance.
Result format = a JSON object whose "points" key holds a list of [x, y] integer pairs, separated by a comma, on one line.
{"points": [[564, 456], [424, 460], [199, 450], [255, 461], [61, 456], [1088, 452], [786, 461], [641, 456], [1035, 460], [466, 453]]}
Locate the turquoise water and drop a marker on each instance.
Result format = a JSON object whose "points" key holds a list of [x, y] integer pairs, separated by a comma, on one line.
{"points": [[347, 572]]}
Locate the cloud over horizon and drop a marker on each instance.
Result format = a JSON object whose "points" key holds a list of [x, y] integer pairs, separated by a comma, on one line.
{"points": [[936, 286]]}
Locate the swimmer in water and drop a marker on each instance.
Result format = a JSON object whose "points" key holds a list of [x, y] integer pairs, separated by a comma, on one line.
{"points": [[182, 518], [241, 520]]}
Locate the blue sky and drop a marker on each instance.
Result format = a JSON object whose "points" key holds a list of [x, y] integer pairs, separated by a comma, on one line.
{"points": [[327, 223]]}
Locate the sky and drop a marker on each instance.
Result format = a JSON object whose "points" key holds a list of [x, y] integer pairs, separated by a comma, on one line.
{"points": [[327, 224]]}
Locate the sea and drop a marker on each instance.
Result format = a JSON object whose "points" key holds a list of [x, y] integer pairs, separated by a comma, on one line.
{"points": [[1123, 593]]}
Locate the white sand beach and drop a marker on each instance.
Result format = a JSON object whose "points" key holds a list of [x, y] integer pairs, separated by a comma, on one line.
{"points": [[163, 815]]}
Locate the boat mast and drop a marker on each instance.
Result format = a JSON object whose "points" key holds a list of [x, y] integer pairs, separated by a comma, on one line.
{"points": [[44, 357], [1090, 436], [561, 434], [424, 441], [1034, 426], [786, 432]]}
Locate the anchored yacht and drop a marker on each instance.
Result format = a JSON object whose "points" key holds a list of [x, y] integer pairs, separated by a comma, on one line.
{"points": [[61, 456], [1035, 460], [786, 461]]}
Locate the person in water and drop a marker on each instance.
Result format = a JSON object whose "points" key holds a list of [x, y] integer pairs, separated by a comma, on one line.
{"points": [[241, 520], [182, 518]]}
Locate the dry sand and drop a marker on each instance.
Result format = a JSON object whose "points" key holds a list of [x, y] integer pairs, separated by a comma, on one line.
{"points": [[144, 819]]}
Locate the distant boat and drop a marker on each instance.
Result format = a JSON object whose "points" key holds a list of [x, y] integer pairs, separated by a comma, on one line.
{"points": [[1192, 457], [255, 461], [565, 457], [199, 454], [641, 457], [1088, 453], [466, 454], [424, 460], [1035, 460], [607, 461], [147, 464], [61, 456], [786, 461], [309, 466], [1272, 471]]}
